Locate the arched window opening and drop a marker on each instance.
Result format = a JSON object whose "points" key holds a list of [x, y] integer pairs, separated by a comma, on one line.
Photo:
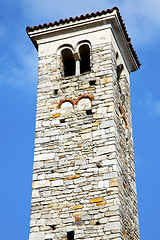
{"points": [[84, 52], [68, 62]]}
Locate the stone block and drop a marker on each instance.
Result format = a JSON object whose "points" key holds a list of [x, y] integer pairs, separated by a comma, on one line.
{"points": [[55, 115], [55, 122], [42, 140], [36, 236], [52, 179], [95, 200], [38, 165], [52, 133], [110, 175], [95, 124], [41, 222], [78, 207], [78, 214], [74, 177], [87, 188], [113, 182], [49, 236], [42, 183], [41, 176], [98, 132], [35, 193], [86, 136], [103, 184], [45, 156], [101, 204], [106, 149], [98, 116], [92, 222], [38, 124], [86, 130], [107, 124], [77, 219], [109, 162], [57, 183], [101, 110], [112, 226], [46, 123]]}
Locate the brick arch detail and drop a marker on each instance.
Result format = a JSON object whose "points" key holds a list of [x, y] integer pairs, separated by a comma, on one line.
{"points": [[65, 100], [84, 96], [76, 101]]}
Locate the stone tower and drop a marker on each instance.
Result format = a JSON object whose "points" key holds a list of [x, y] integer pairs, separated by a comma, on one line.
{"points": [[84, 175]]}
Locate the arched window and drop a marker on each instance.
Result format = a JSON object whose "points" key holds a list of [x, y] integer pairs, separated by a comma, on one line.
{"points": [[68, 62], [84, 52]]}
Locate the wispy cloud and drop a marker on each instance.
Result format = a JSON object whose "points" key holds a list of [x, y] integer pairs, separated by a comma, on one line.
{"points": [[153, 106], [148, 104], [143, 19], [19, 67]]}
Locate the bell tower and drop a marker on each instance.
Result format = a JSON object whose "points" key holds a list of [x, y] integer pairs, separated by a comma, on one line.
{"points": [[84, 183]]}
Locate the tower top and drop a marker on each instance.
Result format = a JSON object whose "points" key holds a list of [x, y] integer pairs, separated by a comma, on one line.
{"points": [[110, 17]]}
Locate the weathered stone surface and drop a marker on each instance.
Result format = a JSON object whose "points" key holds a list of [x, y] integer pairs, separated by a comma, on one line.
{"points": [[36, 236], [103, 184], [43, 183], [55, 115], [74, 177], [101, 204], [106, 149], [35, 193], [57, 183], [78, 207], [107, 124], [42, 157], [95, 200], [112, 226], [114, 182]]}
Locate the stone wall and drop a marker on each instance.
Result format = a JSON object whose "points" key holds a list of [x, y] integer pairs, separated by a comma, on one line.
{"points": [[83, 173], [127, 184]]}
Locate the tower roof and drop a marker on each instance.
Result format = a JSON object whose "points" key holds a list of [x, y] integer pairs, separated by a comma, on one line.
{"points": [[85, 17]]}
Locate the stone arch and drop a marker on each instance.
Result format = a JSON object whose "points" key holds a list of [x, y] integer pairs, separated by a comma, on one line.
{"points": [[79, 44], [68, 62], [66, 109], [84, 96], [65, 100], [84, 102], [84, 48], [65, 54], [64, 46], [67, 104]]}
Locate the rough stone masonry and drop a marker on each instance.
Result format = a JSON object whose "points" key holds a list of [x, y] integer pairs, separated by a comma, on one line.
{"points": [[84, 175]]}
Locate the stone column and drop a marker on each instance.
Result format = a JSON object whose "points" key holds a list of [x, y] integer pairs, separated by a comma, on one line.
{"points": [[77, 60]]}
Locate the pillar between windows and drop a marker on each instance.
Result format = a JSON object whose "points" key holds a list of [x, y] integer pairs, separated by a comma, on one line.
{"points": [[77, 60]]}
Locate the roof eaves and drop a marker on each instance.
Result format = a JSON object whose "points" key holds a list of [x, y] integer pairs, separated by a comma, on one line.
{"points": [[88, 16]]}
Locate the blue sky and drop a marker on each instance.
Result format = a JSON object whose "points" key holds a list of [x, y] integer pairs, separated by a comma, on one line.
{"points": [[18, 81]]}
